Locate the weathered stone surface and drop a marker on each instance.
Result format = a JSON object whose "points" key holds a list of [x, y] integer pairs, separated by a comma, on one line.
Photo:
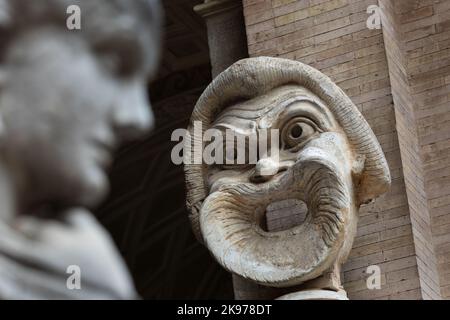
{"points": [[333, 164], [315, 295], [226, 32]]}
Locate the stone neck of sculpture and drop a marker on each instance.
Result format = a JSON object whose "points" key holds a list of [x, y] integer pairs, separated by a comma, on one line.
{"points": [[14, 195], [8, 193]]}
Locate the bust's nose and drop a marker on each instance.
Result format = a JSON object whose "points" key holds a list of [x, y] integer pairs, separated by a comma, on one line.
{"points": [[266, 169], [133, 116]]}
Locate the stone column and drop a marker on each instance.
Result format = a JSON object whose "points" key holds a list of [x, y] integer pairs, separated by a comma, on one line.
{"points": [[226, 32], [227, 41]]}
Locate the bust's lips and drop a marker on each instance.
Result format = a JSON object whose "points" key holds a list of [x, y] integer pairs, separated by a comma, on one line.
{"points": [[104, 152]]}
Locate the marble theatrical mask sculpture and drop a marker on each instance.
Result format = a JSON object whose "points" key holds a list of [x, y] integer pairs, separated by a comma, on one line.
{"points": [[329, 163], [68, 99]]}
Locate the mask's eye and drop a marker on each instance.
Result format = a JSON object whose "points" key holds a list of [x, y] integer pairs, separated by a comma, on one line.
{"points": [[297, 131]]}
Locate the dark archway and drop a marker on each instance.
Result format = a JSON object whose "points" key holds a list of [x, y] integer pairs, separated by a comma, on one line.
{"points": [[145, 211]]}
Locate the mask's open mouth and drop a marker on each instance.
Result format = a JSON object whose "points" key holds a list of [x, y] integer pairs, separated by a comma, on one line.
{"points": [[283, 232], [284, 214]]}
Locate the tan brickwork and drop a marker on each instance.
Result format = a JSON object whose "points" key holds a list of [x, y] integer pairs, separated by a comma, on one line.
{"points": [[425, 30], [396, 25]]}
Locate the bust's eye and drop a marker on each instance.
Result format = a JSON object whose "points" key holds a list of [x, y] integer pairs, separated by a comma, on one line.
{"points": [[297, 131], [118, 57]]}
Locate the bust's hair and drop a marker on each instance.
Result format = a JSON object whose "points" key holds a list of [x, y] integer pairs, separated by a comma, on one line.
{"points": [[139, 18], [20, 13]]}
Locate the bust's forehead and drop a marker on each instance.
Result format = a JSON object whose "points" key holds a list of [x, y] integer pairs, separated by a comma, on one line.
{"points": [[137, 21], [20, 13]]}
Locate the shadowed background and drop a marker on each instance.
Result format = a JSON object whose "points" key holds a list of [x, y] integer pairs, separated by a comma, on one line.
{"points": [[145, 211]]}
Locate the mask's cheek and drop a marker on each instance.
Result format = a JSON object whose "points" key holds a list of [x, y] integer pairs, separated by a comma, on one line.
{"points": [[335, 146]]}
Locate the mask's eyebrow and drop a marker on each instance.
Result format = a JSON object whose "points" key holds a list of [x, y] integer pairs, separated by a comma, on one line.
{"points": [[242, 113], [292, 106], [239, 126]]}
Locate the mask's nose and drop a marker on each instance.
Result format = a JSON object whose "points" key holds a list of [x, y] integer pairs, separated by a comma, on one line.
{"points": [[133, 116], [266, 169]]}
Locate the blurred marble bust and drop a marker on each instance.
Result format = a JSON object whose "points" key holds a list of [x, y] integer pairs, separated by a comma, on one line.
{"points": [[68, 99]]}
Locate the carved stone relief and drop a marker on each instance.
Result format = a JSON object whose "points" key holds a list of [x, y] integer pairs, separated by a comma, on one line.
{"points": [[329, 163]]}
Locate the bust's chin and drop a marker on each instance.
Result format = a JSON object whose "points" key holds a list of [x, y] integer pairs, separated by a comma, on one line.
{"points": [[92, 191], [78, 183]]}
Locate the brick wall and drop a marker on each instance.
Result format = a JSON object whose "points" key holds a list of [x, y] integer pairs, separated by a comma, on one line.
{"points": [[424, 28], [331, 35], [394, 18]]}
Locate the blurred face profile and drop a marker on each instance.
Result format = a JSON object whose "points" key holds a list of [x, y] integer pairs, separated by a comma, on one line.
{"points": [[67, 102]]}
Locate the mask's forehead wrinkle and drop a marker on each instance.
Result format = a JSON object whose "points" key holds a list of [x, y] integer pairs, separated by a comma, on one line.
{"points": [[284, 98], [239, 126], [265, 110]]}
